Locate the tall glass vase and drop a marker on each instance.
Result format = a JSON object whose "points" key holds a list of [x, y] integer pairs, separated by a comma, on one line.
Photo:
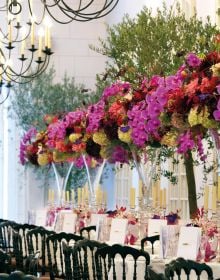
{"points": [[146, 171], [61, 183], [94, 177]]}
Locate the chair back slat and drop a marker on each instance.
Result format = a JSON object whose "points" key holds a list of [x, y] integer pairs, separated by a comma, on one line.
{"points": [[87, 231], [55, 252], [115, 251], [6, 241], [22, 230], [37, 242], [152, 240], [181, 267], [83, 262]]}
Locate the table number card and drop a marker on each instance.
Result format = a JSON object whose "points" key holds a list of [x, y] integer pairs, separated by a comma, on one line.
{"points": [[154, 226], [68, 222], [118, 231], [41, 217], [189, 242], [58, 227]]}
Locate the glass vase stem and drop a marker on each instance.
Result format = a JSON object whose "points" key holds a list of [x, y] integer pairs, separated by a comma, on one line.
{"points": [[57, 179], [89, 177], [61, 186], [95, 182], [145, 176]]}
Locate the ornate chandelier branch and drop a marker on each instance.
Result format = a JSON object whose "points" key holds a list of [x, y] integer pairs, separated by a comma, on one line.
{"points": [[82, 10]]}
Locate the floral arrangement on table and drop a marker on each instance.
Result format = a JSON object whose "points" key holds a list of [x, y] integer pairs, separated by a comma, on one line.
{"points": [[179, 110], [175, 113], [121, 212], [107, 122], [172, 217], [62, 141]]}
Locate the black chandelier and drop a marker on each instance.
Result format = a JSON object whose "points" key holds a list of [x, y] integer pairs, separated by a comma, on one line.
{"points": [[80, 10], [34, 57], [23, 57]]}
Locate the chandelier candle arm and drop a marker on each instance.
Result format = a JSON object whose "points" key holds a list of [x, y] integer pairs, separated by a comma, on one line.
{"points": [[33, 58]]}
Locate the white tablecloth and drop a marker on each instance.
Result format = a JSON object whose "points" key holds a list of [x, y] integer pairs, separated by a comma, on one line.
{"points": [[157, 264]]}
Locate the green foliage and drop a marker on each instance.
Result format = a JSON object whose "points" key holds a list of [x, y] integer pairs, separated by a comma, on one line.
{"points": [[31, 101], [152, 45]]}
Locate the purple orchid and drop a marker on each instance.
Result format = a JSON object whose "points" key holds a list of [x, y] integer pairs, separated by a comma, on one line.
{"points": [[26, 139], [119, 87], [96, 113], [193, 60], [185, 142]]}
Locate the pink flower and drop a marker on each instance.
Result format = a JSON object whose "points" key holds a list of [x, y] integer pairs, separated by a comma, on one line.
{"points": [[193, 60]]}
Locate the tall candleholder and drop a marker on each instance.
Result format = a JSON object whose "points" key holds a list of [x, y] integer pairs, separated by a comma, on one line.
{"points": [[139, 216], [140, 203], [92, 204], [132, 208], [205, 215]]}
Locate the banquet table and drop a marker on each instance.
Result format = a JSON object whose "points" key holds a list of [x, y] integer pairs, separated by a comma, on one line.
{"points": [[157, 264]]}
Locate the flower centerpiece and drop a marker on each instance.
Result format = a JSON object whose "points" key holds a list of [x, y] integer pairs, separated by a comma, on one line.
{"points": [[174, 113], [69, 137]]}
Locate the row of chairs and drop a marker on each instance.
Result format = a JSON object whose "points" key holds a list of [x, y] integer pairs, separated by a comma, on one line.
{"points": [[105, 258], [69, 256]]}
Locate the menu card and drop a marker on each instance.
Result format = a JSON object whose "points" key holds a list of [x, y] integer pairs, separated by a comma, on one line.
{"points": [[118, 231], [189, 242], [69, 222], [41, 217], [58, 227], [154, 226]]}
